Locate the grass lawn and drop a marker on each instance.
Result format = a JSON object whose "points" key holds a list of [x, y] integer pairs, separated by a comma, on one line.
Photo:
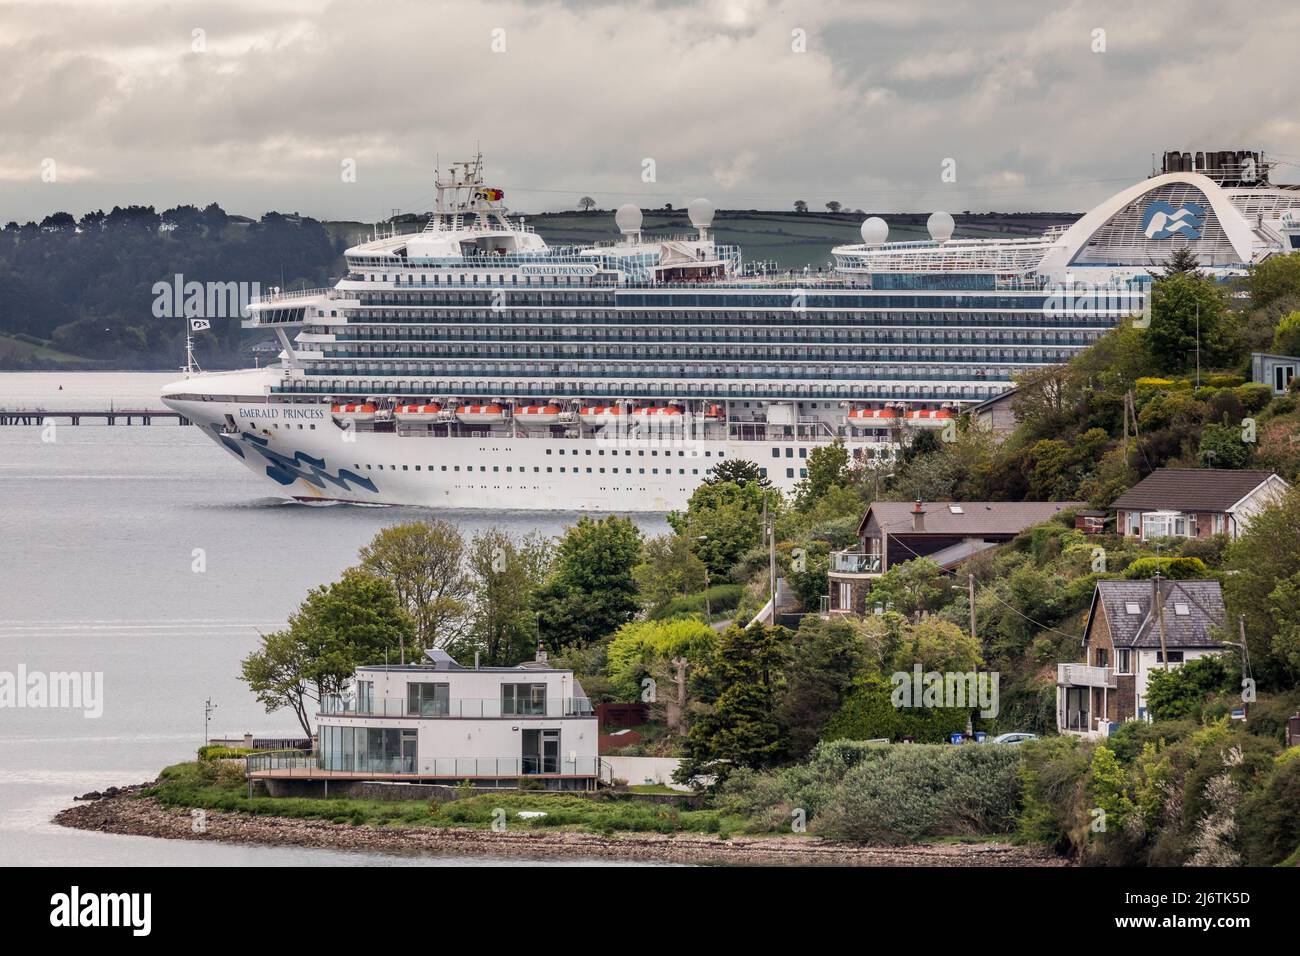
{"points": [[215, 786]]}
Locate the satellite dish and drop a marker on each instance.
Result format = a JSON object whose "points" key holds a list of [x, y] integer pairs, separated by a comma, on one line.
{"points": [[941, 226], [700, 212], [875, 231], [628, 218]]}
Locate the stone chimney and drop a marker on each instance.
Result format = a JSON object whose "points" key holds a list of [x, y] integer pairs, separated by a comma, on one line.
{"points": [[541, 653], [918, 517]]}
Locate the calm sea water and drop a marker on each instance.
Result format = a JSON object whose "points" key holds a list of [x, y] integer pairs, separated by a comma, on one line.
{"points": [[97, 532]]}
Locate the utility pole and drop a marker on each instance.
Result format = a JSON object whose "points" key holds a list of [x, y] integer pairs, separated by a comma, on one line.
{"points": [[771, 556], [970, 582], [1160, 612], [208, 708], [1198, 345]]}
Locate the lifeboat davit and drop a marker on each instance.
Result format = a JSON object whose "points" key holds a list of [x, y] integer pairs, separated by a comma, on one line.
{"points": [[417, 413], [481, 414], [601, 414], [356, 411], [538, 415]]}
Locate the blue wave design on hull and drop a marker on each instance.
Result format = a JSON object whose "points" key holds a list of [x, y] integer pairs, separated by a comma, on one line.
{"points": [[287, 470]]}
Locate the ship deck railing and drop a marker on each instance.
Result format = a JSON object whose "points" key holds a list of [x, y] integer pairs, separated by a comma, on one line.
{"points": [[327, 292]]}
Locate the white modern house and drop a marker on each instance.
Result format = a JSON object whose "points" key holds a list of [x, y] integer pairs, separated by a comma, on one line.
{"points": [[443, 723]]}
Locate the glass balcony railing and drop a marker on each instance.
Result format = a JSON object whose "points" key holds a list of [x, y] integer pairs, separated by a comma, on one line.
{"points": [[459, 707], [854, 562]]}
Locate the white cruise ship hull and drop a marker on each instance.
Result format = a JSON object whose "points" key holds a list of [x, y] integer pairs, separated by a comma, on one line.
{"points": [[306, 452]]}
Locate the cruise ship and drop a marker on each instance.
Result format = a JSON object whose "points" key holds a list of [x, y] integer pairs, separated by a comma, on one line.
{"points": [[469, 364]]}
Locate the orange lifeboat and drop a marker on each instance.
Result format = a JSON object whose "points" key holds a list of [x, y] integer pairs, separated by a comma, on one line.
{"points": [[538, 415], [930, 416], [417, 413], [357, 411], [873, 417], [491, 414], [713, 413], [601, 414]]}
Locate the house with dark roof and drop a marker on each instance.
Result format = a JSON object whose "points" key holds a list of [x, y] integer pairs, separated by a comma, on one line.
{"points": [[946, 532], [1134, 627], [1195, 502]]}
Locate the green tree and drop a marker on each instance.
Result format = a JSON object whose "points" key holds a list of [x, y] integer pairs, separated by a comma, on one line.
{"points": [[825, 657], [591, 590], [1182, 261], [828, 467], [1286, 338], [277, 674], [937, 645], [1266, 554], [912, 588], [638, 646], [1222, 447], [504, 575], [738, 471], [722, 522], [1182, 303], [424, 562], [337, 628], [1109, 788], [668, 569], [1178, 694], [1274, 278], [740, 729]]}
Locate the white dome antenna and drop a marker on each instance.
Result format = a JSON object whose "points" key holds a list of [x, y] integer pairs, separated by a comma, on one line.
{"points": [[941, 226], [628, 219], [874, 231], [700, 213]]}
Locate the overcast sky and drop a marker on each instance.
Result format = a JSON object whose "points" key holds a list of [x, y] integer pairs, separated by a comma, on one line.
{"points": [[749, 103]]}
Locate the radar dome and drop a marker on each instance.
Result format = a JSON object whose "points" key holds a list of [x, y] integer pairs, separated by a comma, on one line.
{"points": [[940, 225], [874, 231], [700, 212], [628, 218]]}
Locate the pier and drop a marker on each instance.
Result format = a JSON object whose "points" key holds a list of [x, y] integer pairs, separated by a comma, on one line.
{"points": [[109, 416]]}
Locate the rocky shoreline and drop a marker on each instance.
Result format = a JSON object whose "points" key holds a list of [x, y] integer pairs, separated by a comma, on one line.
{"points": [[129, 814]]}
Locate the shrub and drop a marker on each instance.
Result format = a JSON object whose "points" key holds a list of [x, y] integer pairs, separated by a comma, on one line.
{"points": [[1054, 793], [1179, 569], [925, 791], [868, 713]]}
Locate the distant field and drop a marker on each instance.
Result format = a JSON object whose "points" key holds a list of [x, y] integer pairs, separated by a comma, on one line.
{"points": [[793, 240], [14, 353]]}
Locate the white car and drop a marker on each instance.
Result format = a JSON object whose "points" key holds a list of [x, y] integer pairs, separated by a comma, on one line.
{"points": [[1013, 738]]}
